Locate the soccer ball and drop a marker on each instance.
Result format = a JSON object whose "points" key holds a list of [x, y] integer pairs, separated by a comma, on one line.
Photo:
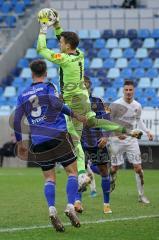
{"points": [[47, 16]]}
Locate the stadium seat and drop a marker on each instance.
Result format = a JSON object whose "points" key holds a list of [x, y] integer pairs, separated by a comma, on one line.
{"points": [[152, 73], [99, 43], [138, 92], [128, 53], [149, 43], [119, 33], [156, 63], [108, 33], [113, 73], [143, 101], [86, 63], [109, 63], [5, 110], [104, 53], [132, 33], [23, 63], [10, 21], [94, 34], [19, 8], [101, 72], [49, 64], [146, 63], [28, 82], [144, 33], [124, 43], [6, 7], [136, 43], [17, 82], [144, 83], [150, 92], [83, 34], [121, 63], [91, 53], [155, 82], [51, 73], [95, 82], [157, 43], [154, 102], [9, 91], [154, 53], [134, 63], [96, 63], [111, 92], [120, 92], [126, 73], [112, 43], [26, 73], [118, 82], [50, 34], [52, 43], [31, 53], [155, 33], [141, 53], [98, 91], [138, 73], [116, 53]]}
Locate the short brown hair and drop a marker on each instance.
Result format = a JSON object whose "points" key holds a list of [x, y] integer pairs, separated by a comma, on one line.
{"points": [[129, 82], [38, 67], [71, 38]]}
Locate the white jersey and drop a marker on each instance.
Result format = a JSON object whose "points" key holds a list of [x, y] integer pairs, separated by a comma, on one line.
{"points": [[127, 114]]}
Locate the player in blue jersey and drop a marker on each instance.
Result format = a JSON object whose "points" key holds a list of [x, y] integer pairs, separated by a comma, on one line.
{"points": [[51, 142], [94, 145]]}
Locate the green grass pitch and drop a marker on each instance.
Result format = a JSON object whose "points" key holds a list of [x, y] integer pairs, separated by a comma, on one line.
{"points": [[24, 214]]}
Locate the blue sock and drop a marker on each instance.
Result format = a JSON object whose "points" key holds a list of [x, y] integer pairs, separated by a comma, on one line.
{"points": [[95, 169], [105, 183], [71, 189], [49, 190], [79, 196]]}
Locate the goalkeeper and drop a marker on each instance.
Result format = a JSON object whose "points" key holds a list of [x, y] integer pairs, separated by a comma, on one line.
{"points": [[74, 92]]}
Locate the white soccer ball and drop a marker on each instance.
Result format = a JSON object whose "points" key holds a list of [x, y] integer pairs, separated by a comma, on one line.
{"points": [[47, 16]]}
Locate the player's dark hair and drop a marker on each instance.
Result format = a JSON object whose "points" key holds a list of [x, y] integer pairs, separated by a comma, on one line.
{"points": [[87, 79], [38, 67], [71, 38], [129, 82]]}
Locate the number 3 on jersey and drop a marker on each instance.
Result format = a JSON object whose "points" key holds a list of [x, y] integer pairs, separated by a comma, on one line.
{"points": [[36, 112]]}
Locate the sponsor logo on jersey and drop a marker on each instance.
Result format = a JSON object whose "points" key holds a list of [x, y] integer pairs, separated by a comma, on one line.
{"points": [[57, 56]]}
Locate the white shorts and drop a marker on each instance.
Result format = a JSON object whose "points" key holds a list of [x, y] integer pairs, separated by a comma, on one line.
{"points": [[128, 147]]}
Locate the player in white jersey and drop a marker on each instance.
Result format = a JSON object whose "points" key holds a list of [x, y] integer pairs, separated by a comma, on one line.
{"points": [[127, 112]]}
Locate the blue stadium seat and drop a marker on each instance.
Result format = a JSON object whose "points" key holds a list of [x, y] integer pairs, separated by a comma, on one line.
{"points": [[91, 53], [154, 102], [116, 53], [143, 101], [104, 53], [1, 90], [3, 100], [119, 33], [109, 63], [51, 73], [49, 64], [155, 33], [144, 33], [101, 73], [138, 92], [83, 34], [154, 53], [146, 63], [141, 53], [86, 63], [111, 92], [121, 63], [94, 34], [6, 7], [149, 43], [150, 92], [95, 82], [132, 33], [17, 82], [28, 82], [120, 92], [118, 82], [156, 63], [139, 73], [113, 73], [134, 63], [96, 63], [23, 63], [108, 33], [136, 43], [157, 43], [124, 43], [155, 82], [128, 53], [9, 91], [152, 73], [31, 53], [52, 43], [126, 73], [12, 101], [99, 43], [98, 91], [19, 8], [50, 34], [26, 73], [112, 43], [144, 82], [10, 21]]}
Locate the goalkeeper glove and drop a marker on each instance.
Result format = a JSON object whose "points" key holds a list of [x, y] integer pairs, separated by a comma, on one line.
{"points": [[57, 22], [46, 18]]}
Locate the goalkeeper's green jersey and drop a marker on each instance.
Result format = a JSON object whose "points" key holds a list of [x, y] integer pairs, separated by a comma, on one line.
{"points": [[71, 66]]}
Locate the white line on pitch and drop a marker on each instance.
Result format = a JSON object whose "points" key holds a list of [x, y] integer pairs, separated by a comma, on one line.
{"points": [[3, 230]]}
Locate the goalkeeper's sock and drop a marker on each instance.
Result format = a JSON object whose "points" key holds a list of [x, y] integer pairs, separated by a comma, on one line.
{"points": [[49, 191], [139, 183], [105, 183], [71, 189], [78, 196]]}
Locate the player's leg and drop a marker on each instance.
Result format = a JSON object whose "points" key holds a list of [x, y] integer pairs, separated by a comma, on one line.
{"points": [[93, 192], [134, 157], [71, 190], [49, 191]]}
